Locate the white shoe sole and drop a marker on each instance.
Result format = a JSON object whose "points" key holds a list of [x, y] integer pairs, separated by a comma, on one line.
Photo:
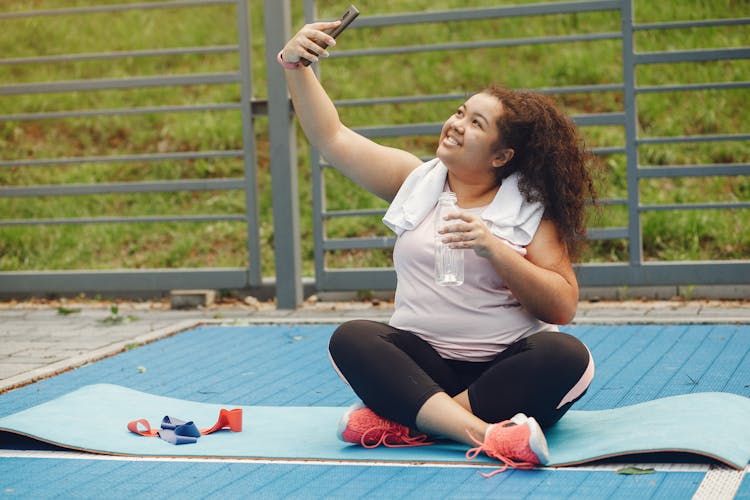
{"points": [[344, 421], [537, 441]]}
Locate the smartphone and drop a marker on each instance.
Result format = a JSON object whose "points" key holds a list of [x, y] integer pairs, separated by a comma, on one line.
{"points": [[346, 19]]}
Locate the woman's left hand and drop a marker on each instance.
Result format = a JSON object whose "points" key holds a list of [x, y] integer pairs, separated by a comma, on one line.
{"points": [[543, 281], [466, 230]]}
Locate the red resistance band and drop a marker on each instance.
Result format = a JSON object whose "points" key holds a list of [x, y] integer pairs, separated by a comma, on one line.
{"points": [[231, 419]]}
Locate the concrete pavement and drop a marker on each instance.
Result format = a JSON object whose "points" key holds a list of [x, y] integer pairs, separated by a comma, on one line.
{"points": [[39, 340]]}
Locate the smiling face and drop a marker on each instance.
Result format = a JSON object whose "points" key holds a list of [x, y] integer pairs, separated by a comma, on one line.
{"points": [[469, 137]]}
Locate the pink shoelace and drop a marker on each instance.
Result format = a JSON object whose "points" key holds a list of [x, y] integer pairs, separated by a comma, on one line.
{"points": [[399, 433], [473, 452]]}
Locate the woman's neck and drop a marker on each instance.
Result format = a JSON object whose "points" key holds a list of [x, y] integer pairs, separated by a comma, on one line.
{"points": [[472, 195]]}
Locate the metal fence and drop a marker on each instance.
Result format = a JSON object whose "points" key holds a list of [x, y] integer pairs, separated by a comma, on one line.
{"points": [[277, 18], [635, 271], [137, 280]]}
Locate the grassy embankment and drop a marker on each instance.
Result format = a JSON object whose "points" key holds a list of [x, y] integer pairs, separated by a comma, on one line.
{"points": [[668, 235]]}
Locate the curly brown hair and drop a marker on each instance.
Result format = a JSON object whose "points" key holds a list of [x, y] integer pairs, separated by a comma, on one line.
{"points": [[551, 157]]}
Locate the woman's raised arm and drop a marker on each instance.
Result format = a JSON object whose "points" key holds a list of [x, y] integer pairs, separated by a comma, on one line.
{"points": [[379, 169]]}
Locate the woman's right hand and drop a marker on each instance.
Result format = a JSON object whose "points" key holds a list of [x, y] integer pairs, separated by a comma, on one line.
{"points": [[306, 42]]}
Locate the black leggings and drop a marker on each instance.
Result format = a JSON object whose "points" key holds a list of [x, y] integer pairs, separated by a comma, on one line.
{"points": [[395, 372]]}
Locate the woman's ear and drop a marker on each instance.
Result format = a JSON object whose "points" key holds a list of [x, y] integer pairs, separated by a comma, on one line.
{"points": [[503, 157]]}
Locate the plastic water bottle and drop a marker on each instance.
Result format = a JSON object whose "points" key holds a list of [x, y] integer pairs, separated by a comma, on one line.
{"points": [[449, 262]]}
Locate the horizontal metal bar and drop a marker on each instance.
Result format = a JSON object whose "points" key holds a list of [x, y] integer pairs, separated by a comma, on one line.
{"points": [[379, 212], [68, 58], [693, 206], [454, 15], [122, 220], [680, 56], [577, 89], [670, 273], [694, 138], [573, 89], [182, 155], [389, 132], [434, 128], [594, 274], [119, 83], [58, 115], [665, 273], [647, 172], [257, 107], [358, 243], [353, 213], [20, 282], [485, 44], [702, 23], [360, 279], [123, 187], [608, 233], [598, 119], [693, 87], [609, 150], [399, 100], [612, 201], [97, 9], [400, 130]]}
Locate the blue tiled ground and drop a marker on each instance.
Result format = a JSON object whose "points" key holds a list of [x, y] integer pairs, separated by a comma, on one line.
{"points": [[45, 478], [287, 365]]}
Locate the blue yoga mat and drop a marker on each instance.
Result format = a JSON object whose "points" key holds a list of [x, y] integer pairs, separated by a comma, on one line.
{"points": [[94, 419]]}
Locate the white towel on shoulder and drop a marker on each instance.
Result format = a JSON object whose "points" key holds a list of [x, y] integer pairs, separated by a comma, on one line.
{"points": [[509, 216]]}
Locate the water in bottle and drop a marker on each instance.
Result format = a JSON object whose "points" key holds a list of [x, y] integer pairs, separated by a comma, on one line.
{"points": [[449, 262]]}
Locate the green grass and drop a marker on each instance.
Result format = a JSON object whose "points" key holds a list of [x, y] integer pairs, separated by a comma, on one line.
{"points": [[668, 235]]}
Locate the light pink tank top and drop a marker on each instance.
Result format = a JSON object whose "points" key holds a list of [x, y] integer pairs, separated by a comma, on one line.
{"points": [[472, 322]]}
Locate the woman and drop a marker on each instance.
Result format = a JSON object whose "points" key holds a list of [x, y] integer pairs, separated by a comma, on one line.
{"points": [[482, 363]]}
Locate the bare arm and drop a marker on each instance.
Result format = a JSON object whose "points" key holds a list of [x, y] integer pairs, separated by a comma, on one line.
{"points": [[379, 169], [543, 282]]}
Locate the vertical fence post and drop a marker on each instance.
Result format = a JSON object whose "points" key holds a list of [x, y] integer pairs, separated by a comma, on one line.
{"points": [[285, 191], [318, 185], [254, 275], [635, 237]]}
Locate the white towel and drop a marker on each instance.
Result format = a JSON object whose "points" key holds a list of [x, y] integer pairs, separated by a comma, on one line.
{"points": [[509, 216]]}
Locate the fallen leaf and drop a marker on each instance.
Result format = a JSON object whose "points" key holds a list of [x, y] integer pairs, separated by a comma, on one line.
{"points": [[117, 320], [64, 311], [634, 471]]}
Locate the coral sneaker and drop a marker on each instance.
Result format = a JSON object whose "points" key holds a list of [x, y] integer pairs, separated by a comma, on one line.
{"points": [[518, 443], [361, 425]]}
